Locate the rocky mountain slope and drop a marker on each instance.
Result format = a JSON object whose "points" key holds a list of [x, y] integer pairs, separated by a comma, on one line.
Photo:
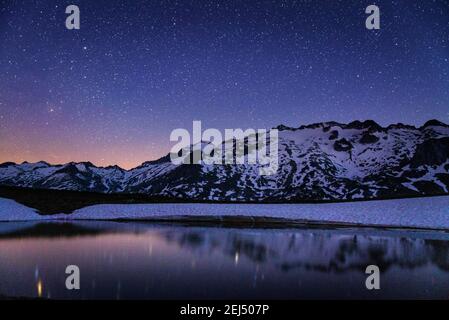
{"points": [[323, 161]]}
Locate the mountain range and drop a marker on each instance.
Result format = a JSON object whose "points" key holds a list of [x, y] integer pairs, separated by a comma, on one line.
{"points": [[317, 162]]}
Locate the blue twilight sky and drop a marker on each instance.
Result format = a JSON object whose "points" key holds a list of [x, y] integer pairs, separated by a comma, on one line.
{"points": [[112, 91]]}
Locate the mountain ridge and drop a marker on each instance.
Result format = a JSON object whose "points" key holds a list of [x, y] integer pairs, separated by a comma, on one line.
{"points": [[319, 161], [281, 127]]}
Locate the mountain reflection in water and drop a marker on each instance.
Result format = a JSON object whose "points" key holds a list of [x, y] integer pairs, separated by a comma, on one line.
{"points": [[161, 261]]}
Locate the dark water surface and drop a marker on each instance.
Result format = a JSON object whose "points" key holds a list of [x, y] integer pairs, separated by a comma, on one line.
{"points": [[157, 261]]}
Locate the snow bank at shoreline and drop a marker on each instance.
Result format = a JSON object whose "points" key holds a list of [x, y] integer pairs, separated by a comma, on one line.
{"points": [[13, 211], [429, 213]]}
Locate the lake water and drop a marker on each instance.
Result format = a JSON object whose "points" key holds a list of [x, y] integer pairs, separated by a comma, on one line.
{"points": [[162, 261]]}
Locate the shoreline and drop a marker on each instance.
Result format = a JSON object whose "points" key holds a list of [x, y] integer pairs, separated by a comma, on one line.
{"points": [[246, 222], [257, 223], [53, 201], [384, 215]]}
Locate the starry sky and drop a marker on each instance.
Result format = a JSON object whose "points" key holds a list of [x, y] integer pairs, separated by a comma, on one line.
{"points": [[112, 92]]}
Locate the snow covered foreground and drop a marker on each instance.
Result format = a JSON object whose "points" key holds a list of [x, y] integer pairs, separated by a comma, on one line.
{"points": [[418, 212]]}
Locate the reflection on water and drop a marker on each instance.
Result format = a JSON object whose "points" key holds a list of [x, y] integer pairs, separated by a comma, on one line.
{"points": [[150, 261]]}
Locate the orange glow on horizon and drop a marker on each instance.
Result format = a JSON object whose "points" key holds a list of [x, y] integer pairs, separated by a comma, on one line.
{"points": [[123, 159]]}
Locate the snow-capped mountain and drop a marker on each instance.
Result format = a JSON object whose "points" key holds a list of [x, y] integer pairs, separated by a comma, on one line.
{"points": [[322, 161]]}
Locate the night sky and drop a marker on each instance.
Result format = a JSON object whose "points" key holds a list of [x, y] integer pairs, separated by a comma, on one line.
{"points": [[112, 92]]}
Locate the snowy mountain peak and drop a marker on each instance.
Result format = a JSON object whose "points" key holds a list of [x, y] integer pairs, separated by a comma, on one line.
{"points": [[434, 123]]}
